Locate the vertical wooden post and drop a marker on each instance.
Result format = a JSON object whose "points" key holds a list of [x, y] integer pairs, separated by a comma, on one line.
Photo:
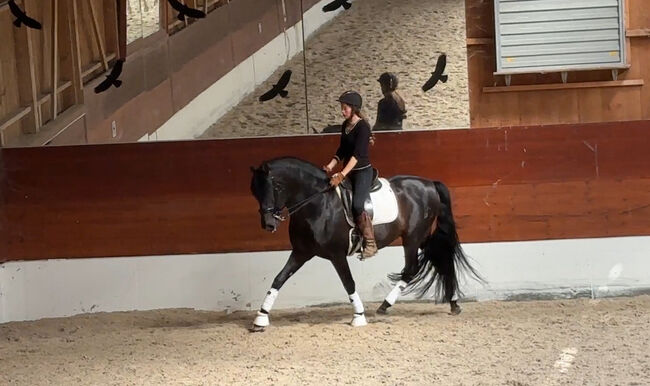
{"points": [[628, 49], [98, 35], [121, 29], [36, 108], [55, 58], [77, 81]]}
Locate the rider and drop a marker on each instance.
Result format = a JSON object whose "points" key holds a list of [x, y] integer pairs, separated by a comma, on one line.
{"points": [[353, 152], [391, 109]]}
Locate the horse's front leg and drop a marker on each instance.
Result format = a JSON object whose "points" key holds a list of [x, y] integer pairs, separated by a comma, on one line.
{"points": [[296, 260], [343, 269]]}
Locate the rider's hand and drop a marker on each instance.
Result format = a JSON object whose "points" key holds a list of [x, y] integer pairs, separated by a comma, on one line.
{"points": [[336, 179], [327, 169]]}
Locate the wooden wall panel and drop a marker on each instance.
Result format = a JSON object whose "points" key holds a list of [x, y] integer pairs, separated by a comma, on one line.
{"points": [[516, 183], [641, 59], [553, 107], [9, 102], [572, 209]]}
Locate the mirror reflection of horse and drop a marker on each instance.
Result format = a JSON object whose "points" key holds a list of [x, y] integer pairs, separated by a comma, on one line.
{"points": [[318, 227]]}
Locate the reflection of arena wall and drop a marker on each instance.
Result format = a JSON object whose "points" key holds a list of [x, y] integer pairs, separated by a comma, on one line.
{"points": [[405, 37], [164, 73], [240, 82]]}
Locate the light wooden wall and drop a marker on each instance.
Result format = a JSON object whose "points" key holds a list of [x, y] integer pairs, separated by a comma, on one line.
{"points": [[76, 44], [603, 100]]}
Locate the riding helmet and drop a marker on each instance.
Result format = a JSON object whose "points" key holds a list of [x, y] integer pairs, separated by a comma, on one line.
{"points": [[389, 79], [351, 98]]}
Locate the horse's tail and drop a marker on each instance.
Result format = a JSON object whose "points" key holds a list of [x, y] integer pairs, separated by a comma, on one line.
{"points": [[441, 256]]}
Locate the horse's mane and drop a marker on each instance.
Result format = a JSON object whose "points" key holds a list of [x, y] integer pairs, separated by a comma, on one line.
{"points": [[296, 164]]}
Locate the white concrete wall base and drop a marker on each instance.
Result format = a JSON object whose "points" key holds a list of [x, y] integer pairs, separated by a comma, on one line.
{"points": [[238, 281]]}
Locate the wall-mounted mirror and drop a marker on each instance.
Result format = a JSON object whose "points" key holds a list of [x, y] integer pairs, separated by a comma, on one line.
{"points": [[199, 69], [390, 51]]}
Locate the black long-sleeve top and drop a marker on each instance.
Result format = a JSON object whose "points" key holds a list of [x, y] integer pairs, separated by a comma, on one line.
{"points": [[355, 143], [389, 115]]}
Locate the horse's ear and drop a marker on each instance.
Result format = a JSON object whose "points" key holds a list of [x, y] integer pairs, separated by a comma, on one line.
{"points": [[253, 169]]}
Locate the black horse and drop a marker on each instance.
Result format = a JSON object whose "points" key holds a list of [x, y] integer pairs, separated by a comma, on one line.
{"points": [[317, 227]]}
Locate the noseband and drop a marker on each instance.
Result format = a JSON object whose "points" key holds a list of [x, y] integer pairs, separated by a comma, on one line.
{"points": [[277, 213]]}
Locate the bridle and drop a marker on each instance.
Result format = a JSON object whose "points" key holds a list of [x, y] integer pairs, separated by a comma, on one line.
{"points": [[277, 211]]}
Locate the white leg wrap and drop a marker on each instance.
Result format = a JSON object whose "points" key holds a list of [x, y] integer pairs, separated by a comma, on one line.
{"points": [[395, 292], [269, 300], [261, 320], [359, 318], [356, 303]]}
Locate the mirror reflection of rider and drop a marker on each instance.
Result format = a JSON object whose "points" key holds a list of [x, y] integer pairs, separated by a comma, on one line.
{"points": [[391, 109], [353, 152]]}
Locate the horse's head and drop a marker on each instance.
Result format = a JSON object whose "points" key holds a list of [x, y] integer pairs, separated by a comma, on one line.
{"points": [[267, 195]]}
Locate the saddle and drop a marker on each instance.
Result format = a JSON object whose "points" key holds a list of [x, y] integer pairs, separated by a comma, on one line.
{"points": [[346, 196], [381, 207]]}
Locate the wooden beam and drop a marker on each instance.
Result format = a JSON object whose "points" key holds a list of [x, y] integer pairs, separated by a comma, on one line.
{"points": [[638, 33], [116, 29], [55, 57], [52, 128], [98, 35], [77, 81], [48, 97], [32, 74], [96, 66], [13, 118], [166, 17], [622, 67], [565, 86], [121, 29], [626, 21]]}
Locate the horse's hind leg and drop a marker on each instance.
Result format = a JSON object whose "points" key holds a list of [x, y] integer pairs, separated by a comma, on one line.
{"points": [[343, 269], [296, 260], [409, 271]]}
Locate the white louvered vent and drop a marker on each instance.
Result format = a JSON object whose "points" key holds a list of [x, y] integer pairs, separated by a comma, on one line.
{"points": [[559, 35]]}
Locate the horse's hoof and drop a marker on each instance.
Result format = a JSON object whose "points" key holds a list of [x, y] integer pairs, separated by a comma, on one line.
{"points": [[359, 321], [256, 328], [455, 309], [383, 308]]}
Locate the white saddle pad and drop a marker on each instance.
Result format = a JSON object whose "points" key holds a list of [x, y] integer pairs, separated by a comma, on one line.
{"points": [[384, 204]]}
